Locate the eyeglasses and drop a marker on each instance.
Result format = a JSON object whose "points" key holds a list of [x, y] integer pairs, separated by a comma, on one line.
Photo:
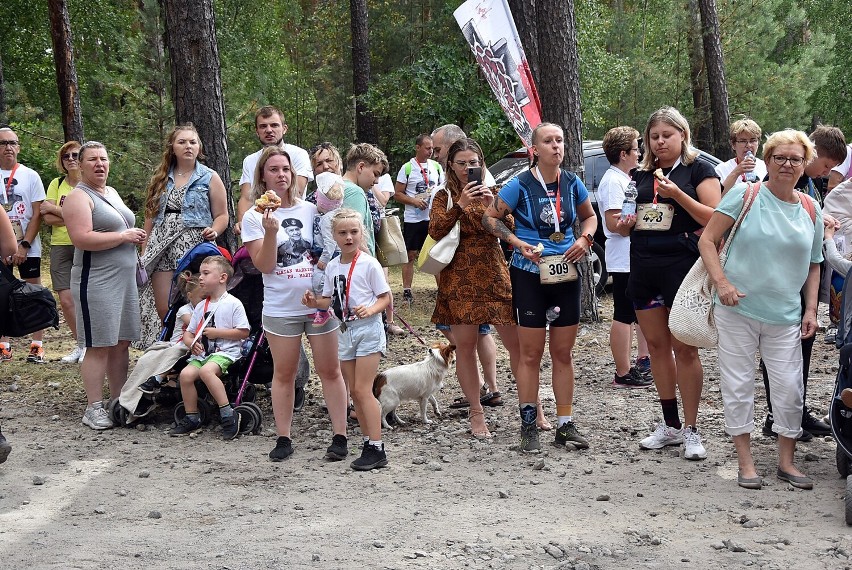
{"points": [[469, 163], [747, 141], [8, 143], [71, 156], [793, 160]]}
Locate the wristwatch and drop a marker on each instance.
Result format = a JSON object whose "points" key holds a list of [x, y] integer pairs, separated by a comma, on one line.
{"points": [[590, 239], [25, 244]]}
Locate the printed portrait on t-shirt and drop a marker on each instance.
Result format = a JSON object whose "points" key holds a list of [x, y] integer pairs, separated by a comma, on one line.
{"points": [[292, 251]]}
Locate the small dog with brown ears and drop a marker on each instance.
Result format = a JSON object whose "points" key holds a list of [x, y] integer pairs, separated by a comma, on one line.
{"points": [[419, 381]]}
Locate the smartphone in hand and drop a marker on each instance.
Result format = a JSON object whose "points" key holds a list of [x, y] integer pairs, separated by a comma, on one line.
{"points": [[474, 174]]}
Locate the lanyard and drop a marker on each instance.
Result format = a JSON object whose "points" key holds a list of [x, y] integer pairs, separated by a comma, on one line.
{"points": [[203, 323], [657, 182], [10, 180], [557, 208], [349, 280], [424, 172]]}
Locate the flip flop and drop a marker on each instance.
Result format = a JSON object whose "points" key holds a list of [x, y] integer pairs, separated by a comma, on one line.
{"points": [[492, 399], [460, 402]]}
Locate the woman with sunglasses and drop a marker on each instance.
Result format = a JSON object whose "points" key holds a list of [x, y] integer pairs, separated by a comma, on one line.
{"points": [[61, 248], [762, 310]]}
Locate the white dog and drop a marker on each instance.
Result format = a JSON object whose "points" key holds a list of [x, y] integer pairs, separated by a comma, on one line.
{"points": [[419, 381]]}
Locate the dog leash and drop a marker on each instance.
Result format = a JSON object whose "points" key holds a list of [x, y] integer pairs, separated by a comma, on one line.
{"points": [[411, 330]]}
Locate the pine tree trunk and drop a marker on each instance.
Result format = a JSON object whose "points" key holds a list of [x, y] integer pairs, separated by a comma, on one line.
{"points": [[715, 78], [702, 126], [365, 122], [197, 84], [3, 119], [66, 72]]}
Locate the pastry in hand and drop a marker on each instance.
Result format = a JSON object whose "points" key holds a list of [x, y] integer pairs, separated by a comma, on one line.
{"points": [[538, 249], [268, 201], [658, 174]]}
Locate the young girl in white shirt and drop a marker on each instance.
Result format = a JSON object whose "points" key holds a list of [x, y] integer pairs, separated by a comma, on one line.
{"points": [[356, 289]]}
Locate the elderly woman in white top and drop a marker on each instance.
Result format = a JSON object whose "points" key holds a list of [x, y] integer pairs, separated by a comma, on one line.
{"points": [[781, 234]]}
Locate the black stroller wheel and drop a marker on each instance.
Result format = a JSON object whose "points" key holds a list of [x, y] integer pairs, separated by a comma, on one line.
{"points": [[250, 393], [247, 419], [117, 413], [843, 463], [203, 412], [848, 501], [258, 416]]}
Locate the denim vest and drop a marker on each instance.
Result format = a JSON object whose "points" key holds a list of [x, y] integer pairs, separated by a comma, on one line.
{"points": [[196, 211]]}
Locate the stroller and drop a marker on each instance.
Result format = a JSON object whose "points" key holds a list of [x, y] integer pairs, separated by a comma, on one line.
{"points": [[840, 415]]}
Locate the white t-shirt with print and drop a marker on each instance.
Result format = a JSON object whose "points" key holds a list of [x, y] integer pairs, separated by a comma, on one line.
{"points": [[17, 197], [368, 280], [611, 197], [301, 163], [723, 169], [421, 180], [284, 287], [228, 313]]}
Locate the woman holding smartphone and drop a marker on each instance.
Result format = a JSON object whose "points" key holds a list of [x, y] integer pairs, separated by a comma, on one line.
{"points": [[465, 303]]}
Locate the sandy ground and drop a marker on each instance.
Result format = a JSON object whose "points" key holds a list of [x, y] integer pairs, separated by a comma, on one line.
{"points": [[136, 498]]}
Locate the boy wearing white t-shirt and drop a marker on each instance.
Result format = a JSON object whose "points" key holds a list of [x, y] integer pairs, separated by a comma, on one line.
{"points": [[216, 329]]}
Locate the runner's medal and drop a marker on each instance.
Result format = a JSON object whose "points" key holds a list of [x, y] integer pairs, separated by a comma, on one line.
{"points": [[557, 237]]}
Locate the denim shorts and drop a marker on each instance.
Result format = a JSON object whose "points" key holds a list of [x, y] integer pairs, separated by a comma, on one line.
{"points": [[297, 326], [483, 329], [362, 337]]}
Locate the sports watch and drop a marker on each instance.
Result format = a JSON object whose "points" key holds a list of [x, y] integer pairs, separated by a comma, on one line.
{"points": [[25, 244]]}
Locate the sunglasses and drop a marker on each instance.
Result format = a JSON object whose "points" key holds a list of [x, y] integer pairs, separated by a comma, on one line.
{"points": [[71, 156]]}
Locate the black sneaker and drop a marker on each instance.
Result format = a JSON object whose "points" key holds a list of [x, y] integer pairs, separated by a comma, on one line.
{"points": [[338, 449], [231, 426], [5, 448], [407, 296], [529, 439], [643, 365], [150, 386], [805, 437], [299, 399], [633, 379], [567, 434], [185, 427], [283, 449], [814, 426], [371, 458]]}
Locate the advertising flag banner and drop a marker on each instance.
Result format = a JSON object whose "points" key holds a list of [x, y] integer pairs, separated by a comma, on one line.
{"points": [[489, 29]]}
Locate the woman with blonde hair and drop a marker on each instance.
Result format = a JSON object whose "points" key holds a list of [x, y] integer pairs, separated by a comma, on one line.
{"points": [[762, 310], [61, 248], [185, 204], [677, 194]]}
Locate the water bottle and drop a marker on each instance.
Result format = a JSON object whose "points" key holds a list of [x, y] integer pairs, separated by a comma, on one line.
{"points": [[628, 207], [750, 176], [552, 314]]}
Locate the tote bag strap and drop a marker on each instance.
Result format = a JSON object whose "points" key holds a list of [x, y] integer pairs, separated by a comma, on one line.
{"points": [[748, 199]]}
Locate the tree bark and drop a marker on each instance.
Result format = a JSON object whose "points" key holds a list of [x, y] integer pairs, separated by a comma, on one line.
{"points": [[197, 84], [524, 14], [66, 71], [702, 127], [2, 94], [715, 78], [365, 122]]}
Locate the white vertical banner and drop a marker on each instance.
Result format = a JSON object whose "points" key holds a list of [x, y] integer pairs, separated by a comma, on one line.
{"points": [[489, 29]]}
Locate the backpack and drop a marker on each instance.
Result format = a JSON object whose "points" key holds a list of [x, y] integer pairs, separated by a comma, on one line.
{"points": [[24, 307]]}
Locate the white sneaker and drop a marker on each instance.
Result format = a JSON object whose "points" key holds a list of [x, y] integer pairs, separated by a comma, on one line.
{"points": [[692, 448], [75, 355], [96, 417], [82, 354], [662, 436]]}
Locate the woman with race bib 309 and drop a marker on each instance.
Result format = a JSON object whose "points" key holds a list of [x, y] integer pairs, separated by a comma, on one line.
{"points": [[545, 201]]}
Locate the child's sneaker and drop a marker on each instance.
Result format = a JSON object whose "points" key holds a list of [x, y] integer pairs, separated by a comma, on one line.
{"points": [[187, 426], [36, 354], [283, 449], [371, 458], [150, 386], [338, 450], [321, 317], [5, 354], [231, 426]]}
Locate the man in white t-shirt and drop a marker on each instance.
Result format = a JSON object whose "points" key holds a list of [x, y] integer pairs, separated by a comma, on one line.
{"points": [[22, 195], [842, 171], [270, 128], [414, 183], [744, 137], [621, 146]]}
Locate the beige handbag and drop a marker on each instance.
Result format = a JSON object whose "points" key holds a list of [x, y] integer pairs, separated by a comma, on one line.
{"points": [[436, 255], [691, 317], [390, 245]]}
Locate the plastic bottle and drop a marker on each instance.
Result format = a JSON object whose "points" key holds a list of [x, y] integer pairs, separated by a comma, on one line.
{"points": [[552, 314], [750, 176], [628, 207]]}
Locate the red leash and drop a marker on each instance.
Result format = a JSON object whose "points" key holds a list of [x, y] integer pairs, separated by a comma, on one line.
{"points": [[411, 330]]}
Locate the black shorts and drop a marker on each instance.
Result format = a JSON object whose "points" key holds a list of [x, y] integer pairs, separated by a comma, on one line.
{"points": [[648, 282], [531, 299], [414, 234], [622, 311], [30, 269]]}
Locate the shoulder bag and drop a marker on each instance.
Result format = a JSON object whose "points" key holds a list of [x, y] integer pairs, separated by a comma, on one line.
{"points": [[436, 255], [25, 308], [390, 245], [691, 317]]}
